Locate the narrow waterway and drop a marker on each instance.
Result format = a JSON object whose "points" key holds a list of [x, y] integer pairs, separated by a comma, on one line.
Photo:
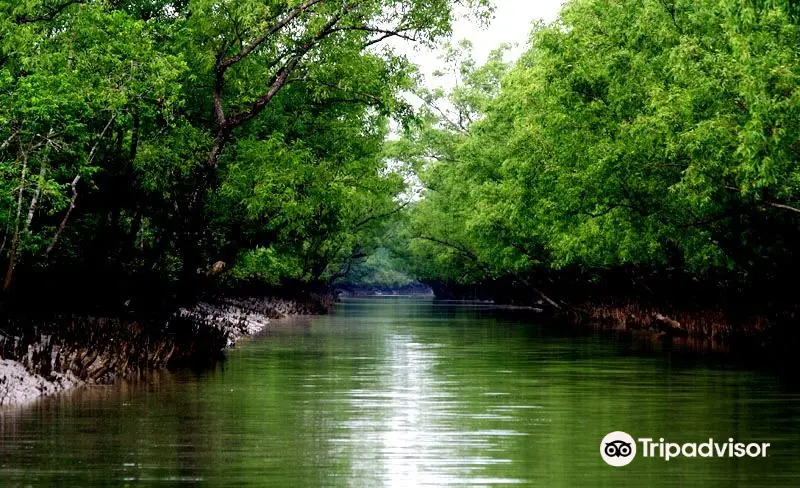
{"points": [[399, 392]]}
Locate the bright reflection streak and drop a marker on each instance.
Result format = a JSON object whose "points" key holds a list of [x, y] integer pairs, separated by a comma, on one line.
{"points": [[408, 428]]}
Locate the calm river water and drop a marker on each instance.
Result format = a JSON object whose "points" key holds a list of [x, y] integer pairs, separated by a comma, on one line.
{"points": [[398, 392]]}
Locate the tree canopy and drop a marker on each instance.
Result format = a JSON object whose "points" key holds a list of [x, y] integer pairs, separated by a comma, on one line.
{"points": [[169, 146], [164, 144], [657, 134]]}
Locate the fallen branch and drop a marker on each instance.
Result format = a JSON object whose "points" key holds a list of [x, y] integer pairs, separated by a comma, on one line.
{"points": [[544, 297]]}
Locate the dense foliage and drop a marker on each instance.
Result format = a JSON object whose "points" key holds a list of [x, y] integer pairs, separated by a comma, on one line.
{"points": [[165, 146], [151, 146], [654, 136]]}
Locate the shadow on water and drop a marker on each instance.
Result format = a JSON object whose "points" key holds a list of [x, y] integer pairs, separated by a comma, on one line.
{"points": [[398, 392]]}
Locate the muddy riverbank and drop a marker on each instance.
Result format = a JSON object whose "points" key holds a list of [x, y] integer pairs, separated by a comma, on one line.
{"points": [[702, 316], [42, 357]]}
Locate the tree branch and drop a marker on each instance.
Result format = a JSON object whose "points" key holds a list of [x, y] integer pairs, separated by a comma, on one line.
{"points": [[282, 76], [74, 188], [768, 203], [380, 216], [463, 250], [226, 63], [782, 206], [400, 32], [376, 100], [50, 15], [5, 143], [377, 40], [542, 295], [350, 260], [35, 197], [443, 115]]}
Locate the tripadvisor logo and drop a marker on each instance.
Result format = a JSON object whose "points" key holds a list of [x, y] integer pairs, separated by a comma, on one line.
{"points": [[619, 449]]}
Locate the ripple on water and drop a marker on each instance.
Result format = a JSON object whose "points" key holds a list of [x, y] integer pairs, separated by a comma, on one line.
{"points": [[406, 393]]}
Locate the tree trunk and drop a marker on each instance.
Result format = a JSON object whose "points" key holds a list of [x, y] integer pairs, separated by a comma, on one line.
{"points": [[12, 256], [35, 198]]}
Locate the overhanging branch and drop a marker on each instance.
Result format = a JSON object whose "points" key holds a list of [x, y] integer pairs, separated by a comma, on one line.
{"points": [[769, 203], [282, 76], [399, 32], [51, 13], [226, 63], [380, 216]]}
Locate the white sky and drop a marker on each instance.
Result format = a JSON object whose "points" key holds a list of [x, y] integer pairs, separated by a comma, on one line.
{"points": [[511, 24]]}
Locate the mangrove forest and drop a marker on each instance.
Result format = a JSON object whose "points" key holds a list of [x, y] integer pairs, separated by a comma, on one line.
{"points": [[399, 242]]}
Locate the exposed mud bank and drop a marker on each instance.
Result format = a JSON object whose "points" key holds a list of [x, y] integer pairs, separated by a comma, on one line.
{"points": [[19, 386], [39, 358], [710, 329], [701, 317]]}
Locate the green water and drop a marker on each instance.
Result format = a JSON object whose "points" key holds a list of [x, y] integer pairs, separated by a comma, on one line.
{"points": [[388, 392]]}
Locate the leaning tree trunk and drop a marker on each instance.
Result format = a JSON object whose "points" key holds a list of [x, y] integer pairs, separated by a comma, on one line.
{"points": [[12, 255]]}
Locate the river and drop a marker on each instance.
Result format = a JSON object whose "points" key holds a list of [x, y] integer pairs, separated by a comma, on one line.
{"points": [[401, 392]]}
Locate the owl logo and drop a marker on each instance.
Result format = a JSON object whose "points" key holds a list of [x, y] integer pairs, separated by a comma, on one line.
{"points": [[618, 448]]}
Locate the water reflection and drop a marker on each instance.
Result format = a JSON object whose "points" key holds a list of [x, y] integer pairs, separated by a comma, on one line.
{"points": [[406, 427], [406, 393]]}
